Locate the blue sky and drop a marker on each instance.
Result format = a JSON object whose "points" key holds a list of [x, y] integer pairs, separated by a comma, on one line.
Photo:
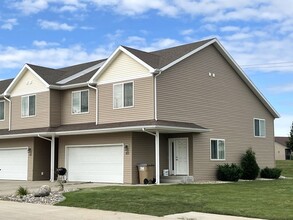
{"points": [[53, 33]]}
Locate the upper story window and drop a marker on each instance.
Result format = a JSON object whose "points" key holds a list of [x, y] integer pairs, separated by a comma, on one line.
{"points": [[80, 102], [2, 110], [123, 95], [28, 106], [259, 127], [217, 149]]}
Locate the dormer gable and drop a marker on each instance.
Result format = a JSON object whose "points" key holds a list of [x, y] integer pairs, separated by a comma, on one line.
{"points": [[122, 65], [27, 81]]}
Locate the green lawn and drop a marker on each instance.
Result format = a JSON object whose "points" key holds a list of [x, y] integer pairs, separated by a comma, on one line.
{"points": [[286, 166], [262, 199]]}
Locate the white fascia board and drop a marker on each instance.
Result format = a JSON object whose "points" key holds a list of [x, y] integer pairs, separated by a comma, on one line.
{"points": [[246, 79], [188, 55], [112, 58], [18, 77], [10, 136]]}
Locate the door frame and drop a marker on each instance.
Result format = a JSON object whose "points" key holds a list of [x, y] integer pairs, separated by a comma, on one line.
{"points": [[171, 153]]}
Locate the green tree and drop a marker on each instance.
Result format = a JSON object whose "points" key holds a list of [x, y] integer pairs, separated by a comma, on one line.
{"points": [[290, 142], [249, 165]]}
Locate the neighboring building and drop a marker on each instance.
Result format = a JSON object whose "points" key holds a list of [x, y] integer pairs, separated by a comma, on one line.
{"points": [[185, 109], [282, 152]]}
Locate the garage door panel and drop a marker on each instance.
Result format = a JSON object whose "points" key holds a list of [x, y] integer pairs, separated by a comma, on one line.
{"points": [[13, 164], [96, 164]]}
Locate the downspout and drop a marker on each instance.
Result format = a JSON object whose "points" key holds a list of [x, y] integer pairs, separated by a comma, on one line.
{"points": [[156, 73], [157, 153], [9, 113], [52, 140], [97, 102]]}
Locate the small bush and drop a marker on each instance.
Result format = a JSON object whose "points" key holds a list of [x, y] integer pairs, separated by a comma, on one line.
{"points": [[249, 165], [228, 172], [270, 173], [21, 191]]}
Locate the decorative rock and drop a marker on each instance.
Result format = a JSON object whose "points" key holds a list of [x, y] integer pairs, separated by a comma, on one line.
{"points": [[44, 190]]}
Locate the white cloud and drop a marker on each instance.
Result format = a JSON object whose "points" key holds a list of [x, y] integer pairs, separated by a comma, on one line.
{"points": [[44, 43], [287, 88], [52, 25], [31, 6], [187, 32], [283, 125], [230, 29], [9, 24]]}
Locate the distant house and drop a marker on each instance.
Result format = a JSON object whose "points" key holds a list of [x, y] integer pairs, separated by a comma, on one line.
{"points": [[282, 152], [184, 109]]}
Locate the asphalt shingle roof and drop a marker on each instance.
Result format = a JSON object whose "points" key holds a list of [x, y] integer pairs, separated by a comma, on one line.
{"points": [[4, 85], [282, 140]]}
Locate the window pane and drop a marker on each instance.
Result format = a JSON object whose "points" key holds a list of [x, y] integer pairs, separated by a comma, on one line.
{"points": [[117, 96], [32, 100], [1, 110], [256, 127], [213, 149], [128, 94], [24, 106], [84, 101], [221, 148], [76, 102]]}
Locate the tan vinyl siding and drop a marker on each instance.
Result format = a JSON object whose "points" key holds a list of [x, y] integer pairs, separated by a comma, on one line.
{"points": [[55, 108], [66, 112], [41, 119], [42, 159], [222, 103], [280, 152], [21, 142], [116, 138], [143, 103], [143, 151], [4, 124]]}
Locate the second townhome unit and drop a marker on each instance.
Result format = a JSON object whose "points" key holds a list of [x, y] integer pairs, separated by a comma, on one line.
{"points": [[184, 109]]}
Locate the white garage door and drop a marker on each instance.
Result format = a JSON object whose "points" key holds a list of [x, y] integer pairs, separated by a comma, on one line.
{"points": [[13, 163], [95, 163]]}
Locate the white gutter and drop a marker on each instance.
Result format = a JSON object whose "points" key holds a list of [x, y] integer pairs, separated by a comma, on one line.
{"points": [[97, 102], [9, 113], [156, 73], [47, 139], [73, 86]]}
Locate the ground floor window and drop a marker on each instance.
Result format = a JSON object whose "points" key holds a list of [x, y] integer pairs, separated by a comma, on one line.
{"points": [[217, 149]]}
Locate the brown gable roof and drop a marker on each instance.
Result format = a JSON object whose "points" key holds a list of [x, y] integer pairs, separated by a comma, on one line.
{"points": [[4, 85], [282, 140]]}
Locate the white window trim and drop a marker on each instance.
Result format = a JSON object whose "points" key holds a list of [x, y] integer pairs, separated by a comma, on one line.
{"points": [[28, 116], [123, 94], [217, 139], [260, 119], [3, 110], [88, 102]]}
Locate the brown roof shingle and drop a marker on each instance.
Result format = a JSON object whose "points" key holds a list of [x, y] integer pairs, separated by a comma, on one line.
{"points": [[282, 140]]}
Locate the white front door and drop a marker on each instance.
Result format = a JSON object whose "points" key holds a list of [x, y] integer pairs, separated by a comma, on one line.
{"points": [[178, 156]]}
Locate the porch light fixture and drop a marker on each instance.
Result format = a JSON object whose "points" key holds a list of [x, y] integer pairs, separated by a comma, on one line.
{"points": [[29, 151], [126, 149]]}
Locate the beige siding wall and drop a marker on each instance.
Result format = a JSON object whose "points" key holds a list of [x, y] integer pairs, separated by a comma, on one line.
{"points": [[279, 152], [224, 104], [22, 142], [116, 138], [42, 113], [143, 103], [41, 159], [27, 84], [143, 151], [67, 117], [123, 68], [4, 124], [55, 108]]}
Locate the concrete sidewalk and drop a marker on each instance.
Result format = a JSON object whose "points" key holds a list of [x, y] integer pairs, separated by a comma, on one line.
{"points": [[20, 211]]}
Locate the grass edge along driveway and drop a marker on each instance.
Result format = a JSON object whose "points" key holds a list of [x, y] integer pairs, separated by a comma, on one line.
{"points": [[260, 199]]}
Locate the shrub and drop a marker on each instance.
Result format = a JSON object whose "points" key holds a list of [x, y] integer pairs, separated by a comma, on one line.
{"points": [[228, 172], [21, 191], [249, 165], [270, 173]]}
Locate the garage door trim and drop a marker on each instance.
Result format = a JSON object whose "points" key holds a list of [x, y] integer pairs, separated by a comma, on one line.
{"points": [[95, 145]]}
